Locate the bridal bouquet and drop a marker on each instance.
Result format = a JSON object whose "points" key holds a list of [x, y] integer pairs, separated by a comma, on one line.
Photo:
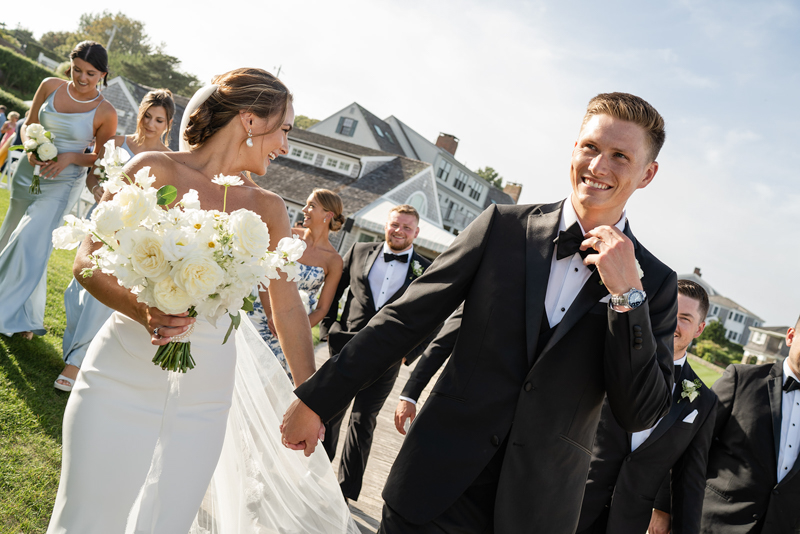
{"points": [[40, 142], [114, 158], [180, 258]]}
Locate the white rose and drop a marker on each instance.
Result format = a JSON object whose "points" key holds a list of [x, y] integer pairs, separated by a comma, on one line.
{"points": [[191, 200], [46, 151], [107, 218], [178, 244], [250, 234], [198, 275], [211, 309], [136, 204], [34, 130], [169, 298], [147, 257], [143, 177], [30, 145]]}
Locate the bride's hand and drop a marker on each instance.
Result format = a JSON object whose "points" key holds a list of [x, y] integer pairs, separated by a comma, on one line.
{"points": [[301, 428], [167, 326]]}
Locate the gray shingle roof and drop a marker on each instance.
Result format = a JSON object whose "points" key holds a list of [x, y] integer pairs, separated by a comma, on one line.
{"points": [[392, 146], [334, 144], [496, 196]]}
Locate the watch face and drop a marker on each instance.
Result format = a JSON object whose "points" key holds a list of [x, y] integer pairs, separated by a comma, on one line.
{"points": [[635, 298]]}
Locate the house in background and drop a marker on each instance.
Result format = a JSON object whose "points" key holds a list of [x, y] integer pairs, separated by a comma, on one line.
{"points": [[766, 344], [369, 181], [736, 319], [126, 96], [462, 194]]}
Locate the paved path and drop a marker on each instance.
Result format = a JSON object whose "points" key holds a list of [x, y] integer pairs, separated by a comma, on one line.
{"points": [[385, 446]]}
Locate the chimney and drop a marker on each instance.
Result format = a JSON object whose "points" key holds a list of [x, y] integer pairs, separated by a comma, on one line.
{"points": [[513, 190], [448, 142], [697, 272]]}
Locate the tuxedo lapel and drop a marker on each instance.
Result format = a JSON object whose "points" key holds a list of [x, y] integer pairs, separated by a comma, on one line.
{"points": [[541, 230], [678, 409], [369, 260], [775, 389]]}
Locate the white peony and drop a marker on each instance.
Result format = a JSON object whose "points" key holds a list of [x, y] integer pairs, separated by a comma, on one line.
{"points": [[191, 200], [107, 218], [169, 298], [198, 275], [227, 181], [113, 182], [46, 151], [71, 234], [148, 259], [136, 204], [35, 130], [30, 145], [178, 244], [250, 234]]}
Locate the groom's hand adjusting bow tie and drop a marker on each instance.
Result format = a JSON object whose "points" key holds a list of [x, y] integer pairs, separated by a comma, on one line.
{"points": [[569, 242], [388, 256]]}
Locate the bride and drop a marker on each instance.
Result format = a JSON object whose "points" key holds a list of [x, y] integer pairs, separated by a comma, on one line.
{"points": [[140, 444]]}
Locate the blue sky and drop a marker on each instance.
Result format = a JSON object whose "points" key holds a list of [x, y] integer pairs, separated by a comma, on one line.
{"points": [[511, 80]]}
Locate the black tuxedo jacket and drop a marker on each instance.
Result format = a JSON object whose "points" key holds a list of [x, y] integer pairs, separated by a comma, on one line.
{"points": [[629, 483], [742, 490], [494, 389], [359, 307]]}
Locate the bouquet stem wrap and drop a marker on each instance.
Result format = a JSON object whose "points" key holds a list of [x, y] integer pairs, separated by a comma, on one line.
{"points": [[176, 355]]}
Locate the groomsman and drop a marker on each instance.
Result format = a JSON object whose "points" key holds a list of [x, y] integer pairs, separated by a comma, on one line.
{"points": [[753, 474], [549, 327], [377, 274], [627, 470]]}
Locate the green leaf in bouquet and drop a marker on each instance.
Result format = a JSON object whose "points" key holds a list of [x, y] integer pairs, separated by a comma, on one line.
{"points": [[16, 147], [87, 272], [167, 195], [247, 305], [235, 321]]}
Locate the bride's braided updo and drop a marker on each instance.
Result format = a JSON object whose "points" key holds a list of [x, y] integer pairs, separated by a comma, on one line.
{"points": [[247, 89]]}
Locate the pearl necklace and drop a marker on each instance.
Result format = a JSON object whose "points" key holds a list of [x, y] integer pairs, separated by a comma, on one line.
{"points": [[81, 101]]}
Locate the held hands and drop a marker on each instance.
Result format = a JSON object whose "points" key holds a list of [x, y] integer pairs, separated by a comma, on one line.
{"points": [[167, 326], [301, 428], [615, 261], [405, 410]]}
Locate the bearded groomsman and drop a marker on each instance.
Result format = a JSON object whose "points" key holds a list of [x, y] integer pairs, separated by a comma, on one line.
{"points": [[377, 274], [753, 474], [624, 491]]}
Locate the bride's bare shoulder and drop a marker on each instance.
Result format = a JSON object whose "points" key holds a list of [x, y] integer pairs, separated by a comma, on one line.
{"points": [[162, 165]]}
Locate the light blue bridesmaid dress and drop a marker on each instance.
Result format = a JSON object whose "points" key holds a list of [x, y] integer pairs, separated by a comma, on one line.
{"points": [[85, 314], [26, 234]]}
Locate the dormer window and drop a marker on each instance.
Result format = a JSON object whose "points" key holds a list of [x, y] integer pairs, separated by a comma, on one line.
{"points": [[346, 126]]}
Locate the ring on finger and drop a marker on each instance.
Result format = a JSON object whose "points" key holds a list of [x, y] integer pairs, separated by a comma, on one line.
{"points": [[597, 242], [155, 330]]}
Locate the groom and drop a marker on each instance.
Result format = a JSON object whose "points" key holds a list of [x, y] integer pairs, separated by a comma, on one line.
{"points": [[504, 442]]}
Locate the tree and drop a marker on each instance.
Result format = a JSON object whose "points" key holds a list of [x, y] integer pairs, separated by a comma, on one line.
{"points": [[714, 332], [154, 70], [304, 123], [130, 37], [491, 176], [53, 40]]}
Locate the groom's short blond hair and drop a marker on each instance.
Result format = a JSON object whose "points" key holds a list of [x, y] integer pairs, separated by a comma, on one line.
{"points": [[631, 108]]}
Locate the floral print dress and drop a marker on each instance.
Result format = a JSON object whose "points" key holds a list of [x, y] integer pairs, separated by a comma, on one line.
{"points": [[310, 283]]}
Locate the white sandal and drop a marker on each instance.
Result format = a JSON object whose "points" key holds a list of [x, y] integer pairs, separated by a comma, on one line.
{"points": [[62, 387]]}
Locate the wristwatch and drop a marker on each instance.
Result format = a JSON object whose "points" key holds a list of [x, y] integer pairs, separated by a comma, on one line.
{"points": [[632, 299]]}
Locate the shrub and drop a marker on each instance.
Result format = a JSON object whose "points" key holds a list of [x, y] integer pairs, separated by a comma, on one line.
{"points": [[12, 102], [20, 74], [716, 354]]}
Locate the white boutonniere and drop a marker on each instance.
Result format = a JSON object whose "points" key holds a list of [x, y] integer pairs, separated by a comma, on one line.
{"points": [[416, 268], [639, 270], [691, 389]]}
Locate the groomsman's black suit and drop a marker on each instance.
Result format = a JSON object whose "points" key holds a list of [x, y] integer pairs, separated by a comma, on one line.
{"points": [[502, 390], [742, 491], [623, 487], [359, 308]]}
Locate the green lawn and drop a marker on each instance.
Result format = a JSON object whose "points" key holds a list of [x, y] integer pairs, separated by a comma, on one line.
{"points": [[31, 410], [708, 376]]}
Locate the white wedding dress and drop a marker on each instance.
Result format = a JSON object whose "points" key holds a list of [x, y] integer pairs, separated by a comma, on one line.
{"points": [[140, 444]]}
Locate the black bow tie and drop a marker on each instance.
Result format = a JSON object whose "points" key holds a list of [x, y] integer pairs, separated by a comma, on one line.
{"points": [[569, 242], [790, 385], [677, 371], [388, 256]]}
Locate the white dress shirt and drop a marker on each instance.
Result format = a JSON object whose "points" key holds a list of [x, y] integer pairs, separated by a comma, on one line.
{"points": [[567, 275], [790, 425], [637, 438], [385, 279]]}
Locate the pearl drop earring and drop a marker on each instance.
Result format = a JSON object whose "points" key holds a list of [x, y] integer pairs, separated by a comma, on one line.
{"points": [[249, 141]]}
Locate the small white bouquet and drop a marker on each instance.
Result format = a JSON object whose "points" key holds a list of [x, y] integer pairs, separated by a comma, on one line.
{"points": [[114, 158], [40, 142], [180, 258]]}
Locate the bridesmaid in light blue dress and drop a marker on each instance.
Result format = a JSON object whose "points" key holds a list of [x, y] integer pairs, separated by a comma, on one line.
{"points": [[85, 315], [320, 266], [77, 114]]}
